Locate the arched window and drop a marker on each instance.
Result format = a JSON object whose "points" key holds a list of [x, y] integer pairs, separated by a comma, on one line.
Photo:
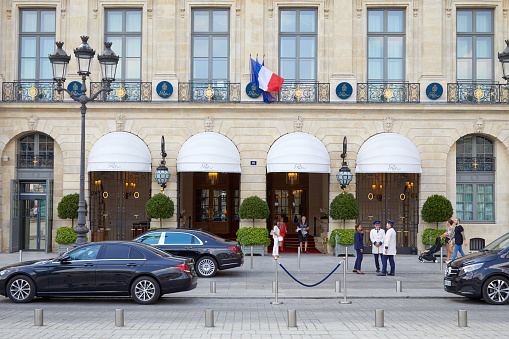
{"points": [[35, 150], [475, 179]]}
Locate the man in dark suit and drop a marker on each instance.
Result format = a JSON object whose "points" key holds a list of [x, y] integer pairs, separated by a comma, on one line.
{"points": [[358, 245]]}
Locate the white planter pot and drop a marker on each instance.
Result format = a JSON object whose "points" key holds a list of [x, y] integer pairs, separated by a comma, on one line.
{"points": [[62, 248], [257, 249], [340, 250]]}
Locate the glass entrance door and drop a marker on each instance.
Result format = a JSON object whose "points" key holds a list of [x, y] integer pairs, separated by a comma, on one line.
{"points": [[211, 205], [289, 204], [33, 224]]}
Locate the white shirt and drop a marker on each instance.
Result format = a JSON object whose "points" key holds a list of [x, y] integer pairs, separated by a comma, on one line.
{"points": [[378, 237]]}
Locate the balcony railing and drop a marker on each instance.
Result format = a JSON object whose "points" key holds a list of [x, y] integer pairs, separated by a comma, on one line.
{"points": [[477, 93], [209, 92], [304, 92], [20, 91], [123, 91], [374, 92], [34, 161], [475, 164]]}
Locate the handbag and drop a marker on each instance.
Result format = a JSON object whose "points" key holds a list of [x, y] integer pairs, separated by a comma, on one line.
{"points": [[280, 238]]}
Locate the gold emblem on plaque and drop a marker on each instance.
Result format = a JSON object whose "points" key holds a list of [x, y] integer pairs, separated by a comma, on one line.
{"points": [[388, 93], [121, 92], [298, 93], [478, 94], [33, 91], [209, 93]]}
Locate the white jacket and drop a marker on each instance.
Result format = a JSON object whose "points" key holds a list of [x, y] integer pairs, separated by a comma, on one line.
{"points": [[390, 241], [377, 237]]}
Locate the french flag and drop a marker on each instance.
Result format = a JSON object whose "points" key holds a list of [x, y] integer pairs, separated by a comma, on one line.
{"points": [[265, 79]]}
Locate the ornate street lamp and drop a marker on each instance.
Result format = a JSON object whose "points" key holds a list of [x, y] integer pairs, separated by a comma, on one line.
{"points": [[344, 175], [504, 60], [59, 62], [162, 175]]}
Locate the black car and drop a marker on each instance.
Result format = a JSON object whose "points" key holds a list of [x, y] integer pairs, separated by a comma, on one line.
{"points": [[210, 252], [484, 274], [111, 268]]}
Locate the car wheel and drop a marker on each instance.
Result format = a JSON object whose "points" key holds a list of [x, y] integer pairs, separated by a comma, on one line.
{"points": [[206, 267], [21, 289], [145, 290], [496, 291]]}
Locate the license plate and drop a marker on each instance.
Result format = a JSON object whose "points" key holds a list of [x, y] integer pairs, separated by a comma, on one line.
{"points": [[447, 283]]}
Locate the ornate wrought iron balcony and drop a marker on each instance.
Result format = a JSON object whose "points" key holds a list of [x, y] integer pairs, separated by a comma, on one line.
{"points": [[34, 161], [124, 91], [477, 93], [378, 92], [304, 92], [209, 92], [21, 91], [475, 164]]}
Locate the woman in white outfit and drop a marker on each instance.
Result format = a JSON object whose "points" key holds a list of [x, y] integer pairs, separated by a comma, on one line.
{"points": [[275, 236]]}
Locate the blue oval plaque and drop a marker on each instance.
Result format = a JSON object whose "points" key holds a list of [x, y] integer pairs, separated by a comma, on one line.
{"points": [[75, 88], [252, 91], [344, 90], [434, 91], [164, 89]]}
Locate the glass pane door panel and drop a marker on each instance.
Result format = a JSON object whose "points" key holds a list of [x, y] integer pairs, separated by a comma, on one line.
{"points": [[202, 205], [219, 205], [33, 224]]}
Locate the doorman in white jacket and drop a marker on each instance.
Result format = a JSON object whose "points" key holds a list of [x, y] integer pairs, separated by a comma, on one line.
{"points": [[376, 236], [389, 249]]}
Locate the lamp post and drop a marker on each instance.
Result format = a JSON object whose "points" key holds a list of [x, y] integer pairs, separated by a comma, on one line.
{"points": [[504, 60], [344, 175], [162, 175], [59, 61]]}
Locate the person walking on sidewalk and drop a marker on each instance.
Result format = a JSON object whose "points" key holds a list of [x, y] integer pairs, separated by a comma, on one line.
{"points": [[282, 230], [358, 245], [276, 236], [389, 249], [303, 229], [459, 239], [376, 236], [449, 236]]}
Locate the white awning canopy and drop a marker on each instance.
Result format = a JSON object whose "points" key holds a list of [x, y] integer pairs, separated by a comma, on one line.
{"points": [[120, 151], [298, 152], [388, 153], [208, 152]]}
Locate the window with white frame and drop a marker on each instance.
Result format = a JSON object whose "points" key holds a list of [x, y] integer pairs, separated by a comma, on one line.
{"points": [[474, 45], [297, 44], [124, 30], [386, 45], [36, 42]]}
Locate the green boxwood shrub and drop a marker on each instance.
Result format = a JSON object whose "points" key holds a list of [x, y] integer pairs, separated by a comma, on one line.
{"points": [[160, 207], [254, 208], [436, 208], [429, 235], [253, 236], [65, 235], [68, 207], [345, 237], [344, 207]]}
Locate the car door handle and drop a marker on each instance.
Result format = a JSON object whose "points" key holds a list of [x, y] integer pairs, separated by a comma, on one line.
{"points": [[131, 265], [189, 247], [88, 265]]}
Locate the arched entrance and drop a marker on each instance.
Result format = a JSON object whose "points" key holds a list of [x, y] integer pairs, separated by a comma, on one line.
{"points": [[119, 167], [387, 173]]}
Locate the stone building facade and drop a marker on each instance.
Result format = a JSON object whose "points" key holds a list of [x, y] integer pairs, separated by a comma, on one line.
{"points": [[421, 76]]}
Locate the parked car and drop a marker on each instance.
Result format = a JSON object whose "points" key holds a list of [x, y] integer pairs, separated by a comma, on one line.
{"points": [[112, 268], [210, 252], [484, 274]]}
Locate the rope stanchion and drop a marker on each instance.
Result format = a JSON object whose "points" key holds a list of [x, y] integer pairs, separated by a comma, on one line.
{"points": [[309, 285]]}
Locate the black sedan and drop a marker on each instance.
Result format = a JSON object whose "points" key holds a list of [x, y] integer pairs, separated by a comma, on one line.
{"points": [[484, 274], [111, 268], [210, 252]]}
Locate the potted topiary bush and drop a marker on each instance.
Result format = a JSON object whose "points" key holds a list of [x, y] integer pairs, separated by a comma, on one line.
{"points": [[256, 237], [68, 207], [436, 208], [340, 240], [254, 208], [429, 236], [161, 207], [344, 207], [65, 239]]}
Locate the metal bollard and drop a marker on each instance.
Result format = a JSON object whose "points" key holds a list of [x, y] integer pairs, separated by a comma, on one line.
{"points": [[292, 318], [462, 318], [209, 318], [276, 302], [379, 318], [399, 286], [38, 317], [441, 259], [338, 286], [20, 255], [119, 317], [252, 257], [344, 301], [274, 287], [212, 287], [298, 257]]}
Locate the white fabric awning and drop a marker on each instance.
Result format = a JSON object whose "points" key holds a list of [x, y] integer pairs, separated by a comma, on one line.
{"points": [[298, 152], [120, 151], [208, 152], [388, 153]]}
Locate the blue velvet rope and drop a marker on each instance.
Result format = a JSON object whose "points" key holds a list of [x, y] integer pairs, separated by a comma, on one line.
{"points": [[313, 285]]}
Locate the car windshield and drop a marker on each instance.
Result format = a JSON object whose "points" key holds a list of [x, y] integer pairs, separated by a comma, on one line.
{"points": [[498, 244]]}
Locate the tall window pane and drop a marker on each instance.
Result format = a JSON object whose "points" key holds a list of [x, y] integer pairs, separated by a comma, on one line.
{"points": [[297, 44], [124, 31], [36, 42], [210, 40], [386, 45]]}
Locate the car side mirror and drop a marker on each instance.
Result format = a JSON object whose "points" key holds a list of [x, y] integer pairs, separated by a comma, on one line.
{"points": [[64, 258]]}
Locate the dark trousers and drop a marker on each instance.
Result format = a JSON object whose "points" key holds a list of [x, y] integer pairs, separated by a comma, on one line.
{"points": [[358, 261], [377, 263], [384, 263]]}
